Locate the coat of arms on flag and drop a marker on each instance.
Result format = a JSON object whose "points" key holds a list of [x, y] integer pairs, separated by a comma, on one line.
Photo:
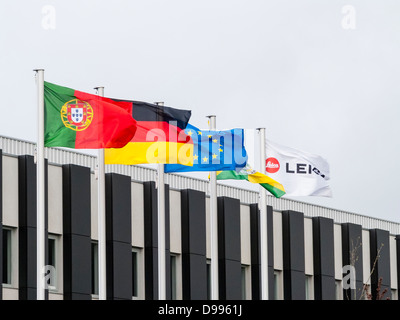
{"points": [[77, 115]]}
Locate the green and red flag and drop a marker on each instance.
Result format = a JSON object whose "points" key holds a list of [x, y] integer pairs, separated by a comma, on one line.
{"points": [[79, 120]]}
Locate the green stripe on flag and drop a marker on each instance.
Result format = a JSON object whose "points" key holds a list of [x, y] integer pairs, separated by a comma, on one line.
{"points": [[233, 175], [55, 132], [275, 191]]}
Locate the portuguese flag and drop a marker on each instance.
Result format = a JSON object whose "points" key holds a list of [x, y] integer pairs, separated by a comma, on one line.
{"points": [[253, 176], [160, 137], [80, 120]]}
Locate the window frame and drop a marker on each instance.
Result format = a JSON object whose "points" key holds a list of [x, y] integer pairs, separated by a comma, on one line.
{"points": [[245, 279], [140, 273], [174, 276], [338, 289], [309, 286], [278, 285], [10, 255], [57, 261], [208, 275], [94, 265], [135, 274]]}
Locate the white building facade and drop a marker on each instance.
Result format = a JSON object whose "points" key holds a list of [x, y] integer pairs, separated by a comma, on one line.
{"points": [[314, 253]]}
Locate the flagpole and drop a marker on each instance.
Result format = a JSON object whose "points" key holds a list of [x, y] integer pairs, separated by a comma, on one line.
{"points": [[101, 216], [214, 223], [263, 221], [40, 196], [161, 228]]}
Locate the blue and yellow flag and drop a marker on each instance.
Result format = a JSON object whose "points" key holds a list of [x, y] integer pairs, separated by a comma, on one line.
{"points": [[214, 151]]}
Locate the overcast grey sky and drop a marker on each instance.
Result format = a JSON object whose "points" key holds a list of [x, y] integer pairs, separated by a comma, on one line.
{"points": [[320, 76]]}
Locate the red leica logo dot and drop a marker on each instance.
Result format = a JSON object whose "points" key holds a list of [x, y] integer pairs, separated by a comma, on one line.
{"points": [[272, 165]]}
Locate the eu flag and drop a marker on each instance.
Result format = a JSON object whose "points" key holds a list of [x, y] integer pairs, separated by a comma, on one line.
{"points": [[214, 151]]}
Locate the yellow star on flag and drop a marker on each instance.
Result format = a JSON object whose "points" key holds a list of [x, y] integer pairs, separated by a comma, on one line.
{"points": [[199, 132], [205, 159], [195, 157], [214, 156], [215, 140], [190, 132]]}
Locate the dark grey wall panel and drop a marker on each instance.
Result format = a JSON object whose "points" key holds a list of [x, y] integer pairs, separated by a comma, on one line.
{"points": [[76, 232], [229, 228], [270, 236], [1, 222], [77, 266], [27, 250], [229, 262], [324, 264], [194, 277], [150, 214], [118, 204], [352, 255], [118, 237], [26, 191], [76, 200], [151, 273], [294, 285], [380, 257], [230, 272], [193, 221], [151, 241], [194, 260], [293, 255], [27, 263], [119, 270], [78, 296], [397, 238], [256, 252], [326, 289]]}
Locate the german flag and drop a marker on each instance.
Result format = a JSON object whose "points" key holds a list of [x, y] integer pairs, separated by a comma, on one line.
{"points": [[159, 137]]}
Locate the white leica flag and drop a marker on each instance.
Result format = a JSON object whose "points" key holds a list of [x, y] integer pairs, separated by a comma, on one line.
{"points": [[301, 173]]}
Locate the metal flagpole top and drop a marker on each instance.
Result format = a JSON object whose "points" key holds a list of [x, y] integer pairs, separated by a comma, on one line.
{"points": [[38, 70], [212, 122], [99, 90]]}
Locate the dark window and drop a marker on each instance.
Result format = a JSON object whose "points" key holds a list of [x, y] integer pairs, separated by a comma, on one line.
{"points": [[95, 268], [276, 286], [134, 274], [208, 280], [243, 282], [7, 256], [173, 277], [51, 251]]}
